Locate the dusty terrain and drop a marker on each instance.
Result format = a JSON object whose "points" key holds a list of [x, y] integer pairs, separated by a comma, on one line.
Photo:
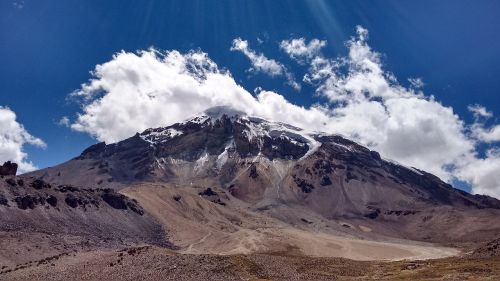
{"points": [[198, 226], [151, 263]]}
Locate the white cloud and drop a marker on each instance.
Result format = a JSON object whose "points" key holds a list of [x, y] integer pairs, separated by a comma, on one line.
{"points": [[479, 111], [64, 121], [491, 135], [416, 83], [483, 173], [133, 92], [299, 50], [486, 135], [13, 137], [261, 63], [479, 130]]}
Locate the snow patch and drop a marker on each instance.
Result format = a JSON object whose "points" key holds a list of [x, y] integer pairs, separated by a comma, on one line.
{"points": [[160, 135], [224, 156], [201, 162]]}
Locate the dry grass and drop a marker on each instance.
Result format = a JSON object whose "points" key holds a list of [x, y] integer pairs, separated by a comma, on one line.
{"points": [[151, 263]]}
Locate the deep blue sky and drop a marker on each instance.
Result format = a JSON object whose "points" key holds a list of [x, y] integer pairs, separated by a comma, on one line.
{"points": [[47, 48]]}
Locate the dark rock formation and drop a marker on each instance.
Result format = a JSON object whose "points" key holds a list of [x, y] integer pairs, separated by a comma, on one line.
{"points": [[212, 196], [253, 172], [121, 202], [8, 169], [11, 182], [325, 180], [40, 184], [52, 200], [115, 200], [373, 214], [303, 184], [29, 201], [72, 201], [207, 192], [3, 200]]}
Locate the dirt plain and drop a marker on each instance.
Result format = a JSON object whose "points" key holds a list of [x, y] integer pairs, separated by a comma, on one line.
{"points": [[152, 263]]}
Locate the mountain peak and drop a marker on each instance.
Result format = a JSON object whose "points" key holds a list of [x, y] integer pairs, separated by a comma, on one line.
{"points": [[217, 112]]}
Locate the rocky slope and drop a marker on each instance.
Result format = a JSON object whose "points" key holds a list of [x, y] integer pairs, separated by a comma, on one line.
{"points": [[487, 250], [39, 219]]}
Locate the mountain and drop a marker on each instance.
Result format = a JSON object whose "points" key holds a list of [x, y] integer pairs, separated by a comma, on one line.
{"points": [[287, 173], [225, 183]]}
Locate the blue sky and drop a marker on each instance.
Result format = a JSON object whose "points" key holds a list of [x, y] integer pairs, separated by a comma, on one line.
{"points": [[47, 49]]}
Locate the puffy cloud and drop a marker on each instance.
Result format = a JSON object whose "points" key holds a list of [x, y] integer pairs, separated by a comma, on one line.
{"points": [[483, 173], [261, 63], [404, 124], [490, 135], [13, 137], [135, 91], [484, 134], [299, 50], [479, 130]]}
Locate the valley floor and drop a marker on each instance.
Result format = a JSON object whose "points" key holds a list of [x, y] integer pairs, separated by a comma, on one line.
{"points": [[152, 263]]}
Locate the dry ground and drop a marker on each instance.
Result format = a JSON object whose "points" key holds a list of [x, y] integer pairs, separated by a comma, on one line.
{"points": [[198, 226], [151, 263]]}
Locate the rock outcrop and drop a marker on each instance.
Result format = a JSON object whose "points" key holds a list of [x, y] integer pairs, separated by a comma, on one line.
{"points": [[8, 169]]}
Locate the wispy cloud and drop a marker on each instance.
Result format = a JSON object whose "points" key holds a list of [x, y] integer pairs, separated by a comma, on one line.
{"points": [[260, 63], [18, 4], [64, 121]]}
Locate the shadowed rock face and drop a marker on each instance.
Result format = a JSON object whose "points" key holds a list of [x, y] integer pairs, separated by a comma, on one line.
{"points": [[8, 169]]}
